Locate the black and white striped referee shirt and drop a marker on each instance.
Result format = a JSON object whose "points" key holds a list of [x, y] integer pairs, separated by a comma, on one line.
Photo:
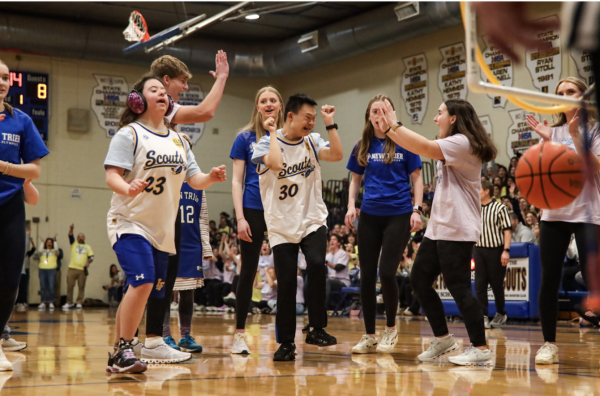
{"points": [[495, 219]]}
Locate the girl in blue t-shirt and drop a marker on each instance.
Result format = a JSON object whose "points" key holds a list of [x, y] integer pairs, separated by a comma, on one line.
{"points": [[248, 205], [21, 149], [387, 217]]}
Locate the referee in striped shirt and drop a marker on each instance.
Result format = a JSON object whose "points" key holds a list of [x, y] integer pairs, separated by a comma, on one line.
{"points": [[491, 254]]}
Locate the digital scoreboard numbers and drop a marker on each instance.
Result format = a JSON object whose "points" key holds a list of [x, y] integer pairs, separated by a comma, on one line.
{"points": [[29, 93]]}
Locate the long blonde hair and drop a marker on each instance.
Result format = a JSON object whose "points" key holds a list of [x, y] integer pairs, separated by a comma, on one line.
{"points": [[560, 118], [362, 149], [256, 121], [7, 107]]}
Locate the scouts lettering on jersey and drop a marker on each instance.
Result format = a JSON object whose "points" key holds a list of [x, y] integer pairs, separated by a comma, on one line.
{"points": [[164, 161], [304, 168]]}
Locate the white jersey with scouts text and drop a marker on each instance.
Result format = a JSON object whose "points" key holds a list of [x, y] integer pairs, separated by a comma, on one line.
{"points": [[292, 198], [160, 158]]}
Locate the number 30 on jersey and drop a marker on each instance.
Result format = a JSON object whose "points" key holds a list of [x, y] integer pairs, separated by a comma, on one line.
{"points": [[288, 191]]}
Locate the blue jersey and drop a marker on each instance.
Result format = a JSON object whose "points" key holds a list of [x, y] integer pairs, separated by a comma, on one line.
{"points": [[20, 142], [190, 256], [387, 186], [243, 148]]}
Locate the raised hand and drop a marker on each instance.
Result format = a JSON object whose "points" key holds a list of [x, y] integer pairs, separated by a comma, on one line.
{"points": [[221, 65], [327, 112], [136, 187], [542, 129], [218, 174], [574, 125], [270, 125], [388, 113]]}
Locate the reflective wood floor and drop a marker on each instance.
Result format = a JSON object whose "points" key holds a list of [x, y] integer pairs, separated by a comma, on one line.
{"points": [[67, 354]]}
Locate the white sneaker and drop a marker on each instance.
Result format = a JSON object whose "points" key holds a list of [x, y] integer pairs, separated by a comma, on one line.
{"points": [[51, 306], [5, 365], [68, 306], [174, 306], [200, 308], [438, 347], [42, 307], [367, 344], [79, 306], [163, 354], [547, 354], [380, 299], [407, 312], [21, 307], [137, 347], [388, 340], [498, 320], [240, 344], [472, 357], [12, 345], [486, 322], [230, 296]]}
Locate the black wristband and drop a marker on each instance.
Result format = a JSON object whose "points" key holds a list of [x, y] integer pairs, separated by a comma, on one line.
{"points": [[387, 130], [507, 250], [333, 126]]}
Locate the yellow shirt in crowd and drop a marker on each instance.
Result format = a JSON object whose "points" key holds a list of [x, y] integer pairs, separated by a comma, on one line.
{"points": [[80, 252], [48, 257]]}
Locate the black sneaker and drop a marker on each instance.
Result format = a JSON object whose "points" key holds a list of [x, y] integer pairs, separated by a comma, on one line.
{"points": [[285, 353], [111, 361], [125, 360], [318, 337]]}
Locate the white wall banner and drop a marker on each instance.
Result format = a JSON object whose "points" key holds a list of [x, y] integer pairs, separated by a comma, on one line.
{"points": [[544, 63], [108, 99], [192, 97], [520, 135], [452, 77], [583, 62], [486, 121], [414, 87], [502, 68]]}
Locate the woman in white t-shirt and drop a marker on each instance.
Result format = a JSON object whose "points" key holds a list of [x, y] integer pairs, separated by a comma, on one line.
{"points": [[558, 225], [455, 222]]}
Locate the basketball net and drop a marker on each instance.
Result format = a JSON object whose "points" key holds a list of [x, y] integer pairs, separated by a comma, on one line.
{"points": [[137, 29]]}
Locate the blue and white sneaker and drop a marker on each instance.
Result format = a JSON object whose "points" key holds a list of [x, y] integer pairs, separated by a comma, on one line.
{"points": [[188, 344], [171, 342]]}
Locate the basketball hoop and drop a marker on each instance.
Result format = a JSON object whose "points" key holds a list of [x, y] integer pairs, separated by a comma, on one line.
{"points": [[137, 29]]}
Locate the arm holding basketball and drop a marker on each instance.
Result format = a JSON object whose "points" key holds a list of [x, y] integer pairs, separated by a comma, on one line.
{"points": [[406, 138], [578, 141], [114, 180], [206, 109], [543, 130]]}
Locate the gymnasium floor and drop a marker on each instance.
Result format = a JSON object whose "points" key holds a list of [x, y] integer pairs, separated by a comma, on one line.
{"points": [[67, 355]]}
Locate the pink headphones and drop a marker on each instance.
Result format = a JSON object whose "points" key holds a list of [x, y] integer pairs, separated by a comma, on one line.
{"points": [[137, 103]]}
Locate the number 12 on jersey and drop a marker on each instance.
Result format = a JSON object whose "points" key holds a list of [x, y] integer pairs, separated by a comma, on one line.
{"points": [[187, 214], [288, 191]]}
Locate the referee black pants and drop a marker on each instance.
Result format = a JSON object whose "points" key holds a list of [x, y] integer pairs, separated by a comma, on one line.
{"points": [[12, 256], [452, 259], [314, 247], [489, 271]]}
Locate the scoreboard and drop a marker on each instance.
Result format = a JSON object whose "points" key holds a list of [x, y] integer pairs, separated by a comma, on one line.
{"points": [[29, 93]]}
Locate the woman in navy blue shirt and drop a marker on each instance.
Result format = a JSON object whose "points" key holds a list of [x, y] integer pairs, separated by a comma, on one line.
{"points": [[21, 149], [387, 217], [248, 205]]}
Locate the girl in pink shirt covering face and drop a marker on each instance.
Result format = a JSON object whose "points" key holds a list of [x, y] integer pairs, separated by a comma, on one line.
{"points": [[455, 222]]}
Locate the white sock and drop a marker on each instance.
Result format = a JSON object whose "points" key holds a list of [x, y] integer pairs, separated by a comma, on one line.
{"points": [[153, 342]]}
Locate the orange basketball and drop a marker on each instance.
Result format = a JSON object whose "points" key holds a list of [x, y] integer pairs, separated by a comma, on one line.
{"points": [[550, 175]]}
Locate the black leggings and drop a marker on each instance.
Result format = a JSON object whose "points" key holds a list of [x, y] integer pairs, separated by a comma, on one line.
{"points": [[314, 247], [452, 259], [12, 256], [389, 236], [250, 253], [489, 270], [186, 311], [555, 237], [158, 307]]}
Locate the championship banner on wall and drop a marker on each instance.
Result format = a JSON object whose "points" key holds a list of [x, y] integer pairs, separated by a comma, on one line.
{"points": [[544, 63], [502, 68], [414, 87], [108, 100], [516, 282], [192, 97], [520, 135], [583, 62], [486, 121], [452, 78]]}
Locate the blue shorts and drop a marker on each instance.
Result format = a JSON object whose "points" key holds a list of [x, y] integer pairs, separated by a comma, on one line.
{"points": [[142, 263]]}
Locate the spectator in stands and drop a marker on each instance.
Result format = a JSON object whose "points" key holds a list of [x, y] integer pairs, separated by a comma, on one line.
{"points": [[336, 229], [524, 206], [47, 272], [22, 296], [343, 231], [520, 233], [349, 248], [536, 232], [58, 279], [337, 262], [81, 258], [490, 174], [268, 288], [223, 225], [213, 231], [115, 287], [351, 239], [497, 194], [511, 187], [502, 173], [531, 219]]}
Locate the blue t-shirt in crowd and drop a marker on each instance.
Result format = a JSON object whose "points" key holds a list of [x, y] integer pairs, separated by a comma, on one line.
{"points": [[190, 255], [243, 148], [387, 186], [19, 141]]}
